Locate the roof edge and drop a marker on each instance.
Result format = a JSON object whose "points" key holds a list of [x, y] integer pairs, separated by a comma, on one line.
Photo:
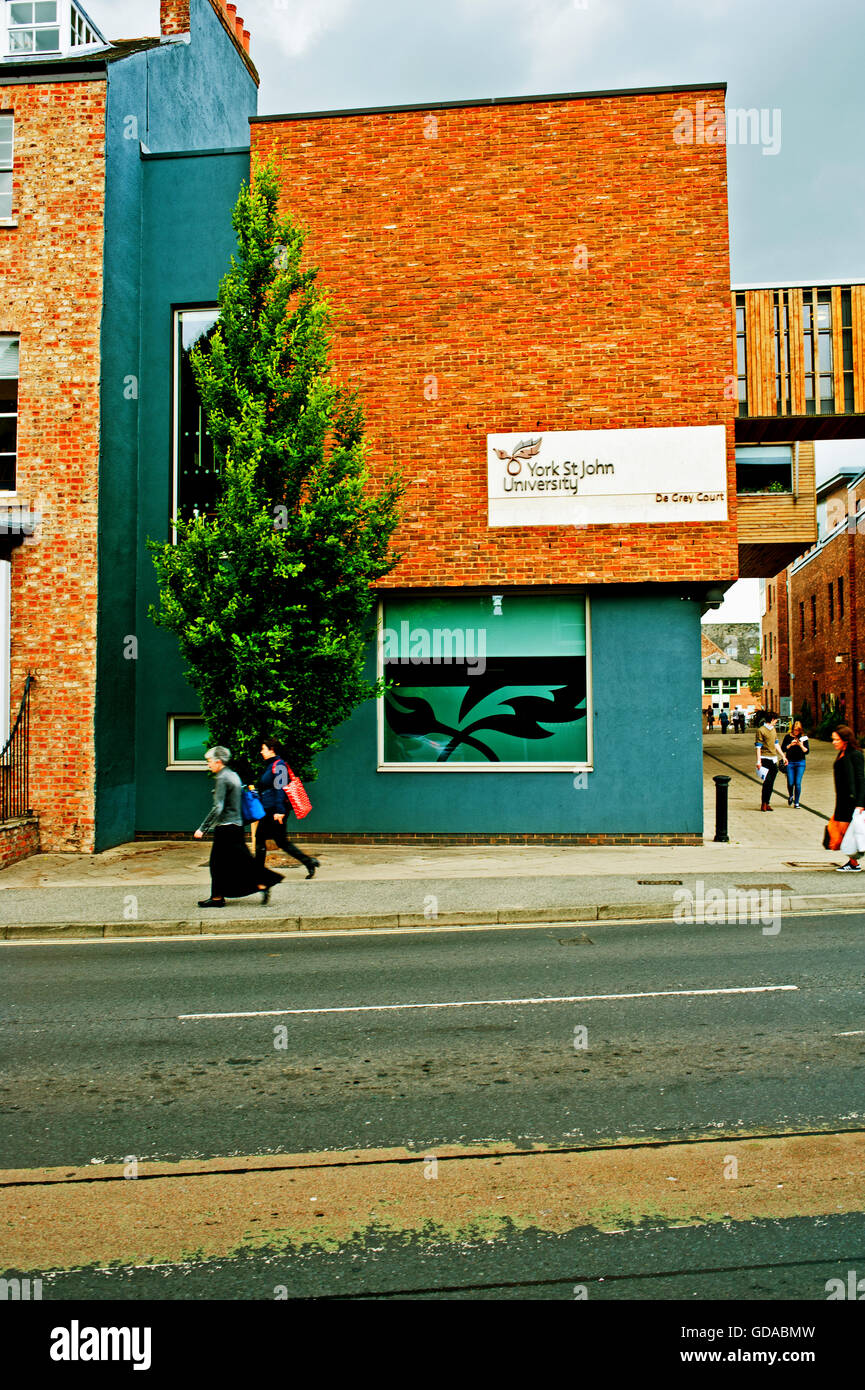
{"points": [[489, 101]]}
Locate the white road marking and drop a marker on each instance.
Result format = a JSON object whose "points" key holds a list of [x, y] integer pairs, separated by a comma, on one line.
{"points": [[857, 1033], [494, 1003]]}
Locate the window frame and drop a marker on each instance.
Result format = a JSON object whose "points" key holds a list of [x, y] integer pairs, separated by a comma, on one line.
{"points": [[6, 492], [173, 764], [485, 767], [71, 21], [177, 312], [8, 169]]}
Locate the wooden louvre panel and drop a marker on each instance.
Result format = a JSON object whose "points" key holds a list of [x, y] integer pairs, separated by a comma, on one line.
{"points": [[837, 350], [797, 353], [760, 346], [857, 301]]}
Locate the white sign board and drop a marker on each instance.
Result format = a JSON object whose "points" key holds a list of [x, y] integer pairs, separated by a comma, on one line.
{"points": [[598, 477]]}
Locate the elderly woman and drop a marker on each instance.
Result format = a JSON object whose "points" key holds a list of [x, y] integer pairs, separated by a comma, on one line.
{"points": [[849, 773], [233, 871]]}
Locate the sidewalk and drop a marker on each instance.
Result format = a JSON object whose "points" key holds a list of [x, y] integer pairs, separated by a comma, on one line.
{"points": [[151, 888]]}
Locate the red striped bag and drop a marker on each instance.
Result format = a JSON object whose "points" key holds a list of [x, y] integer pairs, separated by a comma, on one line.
{"points": [[296, 793]]}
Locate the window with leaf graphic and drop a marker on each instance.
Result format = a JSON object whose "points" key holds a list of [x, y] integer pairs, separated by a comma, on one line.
{"points": [[484, 681]]}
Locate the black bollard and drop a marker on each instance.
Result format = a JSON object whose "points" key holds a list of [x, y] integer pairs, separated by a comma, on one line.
{"points": [[722, 786]]}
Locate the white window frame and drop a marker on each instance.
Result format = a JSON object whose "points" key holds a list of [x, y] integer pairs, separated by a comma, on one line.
{"points": [[7, 493], [173, 764], [67, 11], [450, 768], [6, 170]]}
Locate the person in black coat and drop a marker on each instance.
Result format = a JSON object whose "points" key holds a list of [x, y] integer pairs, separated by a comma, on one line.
{"points": [[271, 791], [849, 773]]}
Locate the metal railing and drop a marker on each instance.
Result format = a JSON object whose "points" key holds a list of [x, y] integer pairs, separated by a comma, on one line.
{"points": [[15, 763]]}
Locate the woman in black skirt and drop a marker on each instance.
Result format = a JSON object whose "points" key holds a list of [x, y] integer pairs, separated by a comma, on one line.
{"points": [[849, 772], [271, 792], [233, 871]]}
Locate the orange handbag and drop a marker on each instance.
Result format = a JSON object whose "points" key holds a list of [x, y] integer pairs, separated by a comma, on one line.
{"points": [[834, 834]]}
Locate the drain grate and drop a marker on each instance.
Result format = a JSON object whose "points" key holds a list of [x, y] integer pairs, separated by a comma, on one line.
{"points": [[576, 940], [659, 882], [746, 886]]}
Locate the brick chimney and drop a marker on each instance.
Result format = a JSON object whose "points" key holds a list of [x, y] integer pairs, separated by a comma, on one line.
{"points": [[174, 16]]}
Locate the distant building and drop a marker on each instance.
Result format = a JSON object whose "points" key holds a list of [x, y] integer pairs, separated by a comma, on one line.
{"points": [[725, 680], [739, 641]]}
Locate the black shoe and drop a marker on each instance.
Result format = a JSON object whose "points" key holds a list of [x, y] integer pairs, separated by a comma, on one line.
{"points": [[213, 902], [311, 866], [265, 897], [789, 801]]}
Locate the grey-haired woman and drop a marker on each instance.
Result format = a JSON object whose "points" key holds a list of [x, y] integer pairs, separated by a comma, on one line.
{"points": [[233, 871]]}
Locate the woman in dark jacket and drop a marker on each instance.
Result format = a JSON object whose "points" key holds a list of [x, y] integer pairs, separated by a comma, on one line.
{"points": [[271, 791], [233, 871], [849, 772]]}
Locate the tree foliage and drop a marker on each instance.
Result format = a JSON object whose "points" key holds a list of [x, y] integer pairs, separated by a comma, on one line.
{"points": [[755, 679], [271, 596]]}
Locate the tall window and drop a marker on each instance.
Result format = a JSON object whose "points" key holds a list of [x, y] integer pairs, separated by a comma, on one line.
{"points": [[813, 615], [831, 589], [484, 680], [741, 356], [7, 144], [801, 621], [840, 597], [33, 26], [8, 412], [847, 349], [196, 478], [808, 345]]}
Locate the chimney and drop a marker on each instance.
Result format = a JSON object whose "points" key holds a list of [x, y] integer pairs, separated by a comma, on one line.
{"points": [[173, 17], [246, 38]]}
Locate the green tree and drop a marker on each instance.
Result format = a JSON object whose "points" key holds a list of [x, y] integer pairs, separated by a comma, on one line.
{"points": [[755, 680], [271, 596]]}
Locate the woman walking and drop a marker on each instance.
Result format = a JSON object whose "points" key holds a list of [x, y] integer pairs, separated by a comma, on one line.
{"points": [[271, 791], [233, 871], [795, 745], [849, 772], [768, 752]]}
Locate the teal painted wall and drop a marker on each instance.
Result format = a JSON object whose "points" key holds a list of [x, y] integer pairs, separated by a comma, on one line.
{"points": [[196, 95]]}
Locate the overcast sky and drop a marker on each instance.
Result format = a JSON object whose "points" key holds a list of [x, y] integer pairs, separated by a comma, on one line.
{"points": [[797, 214]]}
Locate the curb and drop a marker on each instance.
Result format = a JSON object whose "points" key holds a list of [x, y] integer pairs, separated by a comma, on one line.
{"points": [[234, 926]]}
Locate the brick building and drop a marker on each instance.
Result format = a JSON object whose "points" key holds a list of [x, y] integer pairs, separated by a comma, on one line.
{"points": [[812, 619], [75, 112], [725, 680]]}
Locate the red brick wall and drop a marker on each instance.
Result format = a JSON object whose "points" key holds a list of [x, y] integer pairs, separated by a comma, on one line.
{"points": [[813, 659], [51, 294], [777, 666], [18, 840], [174, 17], [552, 265]]}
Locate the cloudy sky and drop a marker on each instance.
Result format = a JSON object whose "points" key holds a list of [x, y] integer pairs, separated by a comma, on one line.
{"points": [[797, 214]]}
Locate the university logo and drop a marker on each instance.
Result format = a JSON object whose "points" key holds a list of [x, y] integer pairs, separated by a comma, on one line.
{"points": [[526, 449]]}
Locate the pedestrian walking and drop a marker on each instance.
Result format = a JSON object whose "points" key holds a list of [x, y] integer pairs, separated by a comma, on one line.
{"points": [[271, 791], [795, 746], [710, 719], [233, 871], [768, 753], [849, 773], [724, 721]]}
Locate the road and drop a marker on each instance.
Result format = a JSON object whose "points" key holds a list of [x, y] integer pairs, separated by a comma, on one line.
{"points": [[318, 1061]]}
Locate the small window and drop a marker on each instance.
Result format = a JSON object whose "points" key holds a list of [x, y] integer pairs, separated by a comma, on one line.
{"points": [[33, 26], [8, 412], [7, 142], [187, 742]]}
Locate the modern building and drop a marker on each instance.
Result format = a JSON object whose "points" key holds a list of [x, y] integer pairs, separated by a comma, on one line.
{"points": [[77, 115]]}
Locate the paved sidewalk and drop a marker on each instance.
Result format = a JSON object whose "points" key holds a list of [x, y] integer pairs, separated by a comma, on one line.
{"points": [[151, 888]]}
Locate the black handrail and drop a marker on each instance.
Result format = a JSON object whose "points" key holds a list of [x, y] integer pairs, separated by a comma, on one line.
{"points": [[15, 763]]}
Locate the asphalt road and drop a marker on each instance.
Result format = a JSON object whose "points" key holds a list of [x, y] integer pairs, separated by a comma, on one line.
{"points": [[98, 1063], [105, 1056]]}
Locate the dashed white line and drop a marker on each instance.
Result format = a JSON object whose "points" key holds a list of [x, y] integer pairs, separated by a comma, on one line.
{"points": [[494, 1003]]}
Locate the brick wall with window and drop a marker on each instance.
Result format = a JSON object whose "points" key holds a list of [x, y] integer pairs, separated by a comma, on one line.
{"points": [[534, 266], [51, 301]]}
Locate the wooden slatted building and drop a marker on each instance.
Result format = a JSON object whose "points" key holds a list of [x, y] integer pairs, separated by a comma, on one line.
{"points": [[800, 377]]}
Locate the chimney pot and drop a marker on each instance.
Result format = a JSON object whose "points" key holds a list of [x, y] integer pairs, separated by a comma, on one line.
{"points": [[246, 38]]}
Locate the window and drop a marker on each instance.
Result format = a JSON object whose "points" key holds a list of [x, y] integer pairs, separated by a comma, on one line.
{"points": [[33, 26], [831, 589], [741, 356], [764, 468], [196, 479], [801, 621], [81, 32], [769, 593], [7, 140], [484, 681], [813, 615], [8, 412], [187, 742], [782, 352], [840, 597]]}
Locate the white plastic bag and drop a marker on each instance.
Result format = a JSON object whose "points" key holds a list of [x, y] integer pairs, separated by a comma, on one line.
{"points": [[853, 843]]}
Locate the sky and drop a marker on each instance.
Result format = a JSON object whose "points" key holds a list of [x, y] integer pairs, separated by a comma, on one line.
{"points": [[796, 197]]}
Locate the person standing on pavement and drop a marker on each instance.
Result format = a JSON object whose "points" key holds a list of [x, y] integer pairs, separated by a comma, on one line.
{"points": [[849, 773], [233, 871], [795, 745], [710, 719], [724, 721], [768, 752], [271, 791]]}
